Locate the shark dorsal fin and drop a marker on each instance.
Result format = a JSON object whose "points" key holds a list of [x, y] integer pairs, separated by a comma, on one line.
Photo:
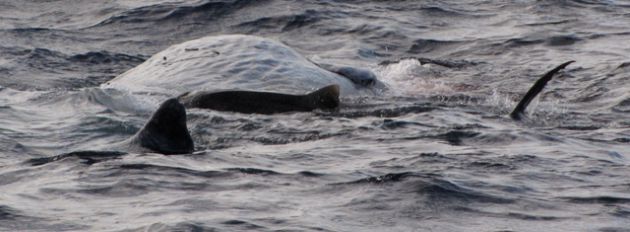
{"points": [[166, 131]]}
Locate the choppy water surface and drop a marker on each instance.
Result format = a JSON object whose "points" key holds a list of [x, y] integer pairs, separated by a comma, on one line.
{"points": [[433, 153]]}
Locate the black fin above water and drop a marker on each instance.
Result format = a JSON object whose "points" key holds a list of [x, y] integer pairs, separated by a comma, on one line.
{"points": [[252, 102], [166, 131], [540, 84]]}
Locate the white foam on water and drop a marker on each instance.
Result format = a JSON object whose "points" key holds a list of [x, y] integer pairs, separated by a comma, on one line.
{"points": [[409, 77]]}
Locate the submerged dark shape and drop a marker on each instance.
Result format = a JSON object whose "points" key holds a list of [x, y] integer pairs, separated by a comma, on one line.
{"points": [[359, 76], [326, 98], [86, 157], [164, 133], [517, 113]]}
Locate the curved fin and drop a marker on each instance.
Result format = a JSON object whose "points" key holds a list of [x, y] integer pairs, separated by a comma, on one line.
{"points": [[166, 131], [540, 84]]}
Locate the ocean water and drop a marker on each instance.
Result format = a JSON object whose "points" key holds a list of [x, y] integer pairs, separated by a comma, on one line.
{"points": [[435, 152]]}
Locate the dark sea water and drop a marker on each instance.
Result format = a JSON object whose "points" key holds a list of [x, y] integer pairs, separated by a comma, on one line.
{"points": [[435, 152]]}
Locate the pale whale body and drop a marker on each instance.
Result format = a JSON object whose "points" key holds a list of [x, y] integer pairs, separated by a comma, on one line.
{"points": [[239, 62]]}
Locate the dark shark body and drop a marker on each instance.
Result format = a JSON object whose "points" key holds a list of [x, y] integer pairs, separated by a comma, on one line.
{"points": [[326, 98]]}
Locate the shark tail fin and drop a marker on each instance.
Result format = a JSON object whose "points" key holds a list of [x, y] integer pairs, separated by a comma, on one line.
{"points": [[518, 111], [324, 98], [166, 131]]}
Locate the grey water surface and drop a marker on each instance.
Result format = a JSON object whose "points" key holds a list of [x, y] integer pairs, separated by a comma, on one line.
{"points": [[436, 152]]}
